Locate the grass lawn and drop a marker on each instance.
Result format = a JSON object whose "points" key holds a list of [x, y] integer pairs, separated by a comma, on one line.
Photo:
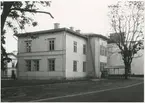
{"points": [[60, 89], [17, 83]]}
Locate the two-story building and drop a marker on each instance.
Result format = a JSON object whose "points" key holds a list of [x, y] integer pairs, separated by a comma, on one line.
{"points": [[60, 53]]}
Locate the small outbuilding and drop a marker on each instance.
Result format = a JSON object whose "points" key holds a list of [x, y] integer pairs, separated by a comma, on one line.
{"points": [[114, 71]]}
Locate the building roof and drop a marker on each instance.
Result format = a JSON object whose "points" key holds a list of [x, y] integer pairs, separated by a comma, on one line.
{"points": [[50, 31], [96, 35], [60, 30]]}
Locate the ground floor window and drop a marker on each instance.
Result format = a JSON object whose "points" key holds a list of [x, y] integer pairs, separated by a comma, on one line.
{"points": [[36, 65], [74, 66], [32, 65], [51, 64], [28, 65], [102, 65], [84, 66]]}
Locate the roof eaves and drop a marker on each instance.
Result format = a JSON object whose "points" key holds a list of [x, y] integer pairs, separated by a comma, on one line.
{"points": [[50, 31], [97, 35], [75, 33], [39, 32]]}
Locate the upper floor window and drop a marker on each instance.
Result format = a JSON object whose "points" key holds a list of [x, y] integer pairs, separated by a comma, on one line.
{"points": [[51, 44], [28, 65], [28, 46], [74, 66], [75, 46], [103, 50], [84, 49], [51, 64], [84, 66], [36, 65]]}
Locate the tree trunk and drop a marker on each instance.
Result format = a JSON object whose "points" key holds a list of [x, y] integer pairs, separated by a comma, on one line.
{"points": [[126, 73], [127, 69], [6, 10]]}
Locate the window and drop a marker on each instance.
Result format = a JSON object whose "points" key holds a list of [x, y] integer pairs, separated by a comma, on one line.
{"points": [[103, 51], [74, 66], [75, 46], [51, 44], [102, 65], [84, 49], [13, 65], [28, 65], [28, 46], [51, 64], [36, 65], [84, 66]]}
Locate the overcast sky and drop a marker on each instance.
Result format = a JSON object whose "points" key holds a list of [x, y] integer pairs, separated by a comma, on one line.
{"points": [[86, 15]]}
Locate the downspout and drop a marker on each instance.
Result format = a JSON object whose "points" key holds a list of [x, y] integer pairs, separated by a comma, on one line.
{"points": [[91, 52]]}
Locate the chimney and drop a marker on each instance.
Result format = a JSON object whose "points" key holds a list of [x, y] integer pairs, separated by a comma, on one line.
{"points": [[72, 28], [78, 31], [56, 25]]}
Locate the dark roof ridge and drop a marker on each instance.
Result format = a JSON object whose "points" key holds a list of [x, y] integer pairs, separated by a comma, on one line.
{"points": [[49, 31], [96, 35], [84, 35], [38, 32], [74, 32]]}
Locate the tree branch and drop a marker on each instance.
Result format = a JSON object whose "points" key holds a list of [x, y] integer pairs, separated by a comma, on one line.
{"points": [[33, 11], [5, 13]]}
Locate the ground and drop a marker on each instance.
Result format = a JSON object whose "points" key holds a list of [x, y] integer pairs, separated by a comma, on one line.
{"points": [[86, 90]]}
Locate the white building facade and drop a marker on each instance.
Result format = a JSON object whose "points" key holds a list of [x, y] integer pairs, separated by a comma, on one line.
{"points": [[60, 53]]}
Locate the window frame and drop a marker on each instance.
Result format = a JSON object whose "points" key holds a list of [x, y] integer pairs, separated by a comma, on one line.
{"points": [[51, 43], [51, 64], [74, 66], [36, 65], [101, 50], [84, 49], [84, 66], [28, 65], [75, 46], [106, 50], [28, 45], [102, 65]]}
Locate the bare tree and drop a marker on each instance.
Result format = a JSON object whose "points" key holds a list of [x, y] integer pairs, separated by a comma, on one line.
{"points": [[16, 15], [18, 11], [127, 20]]}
